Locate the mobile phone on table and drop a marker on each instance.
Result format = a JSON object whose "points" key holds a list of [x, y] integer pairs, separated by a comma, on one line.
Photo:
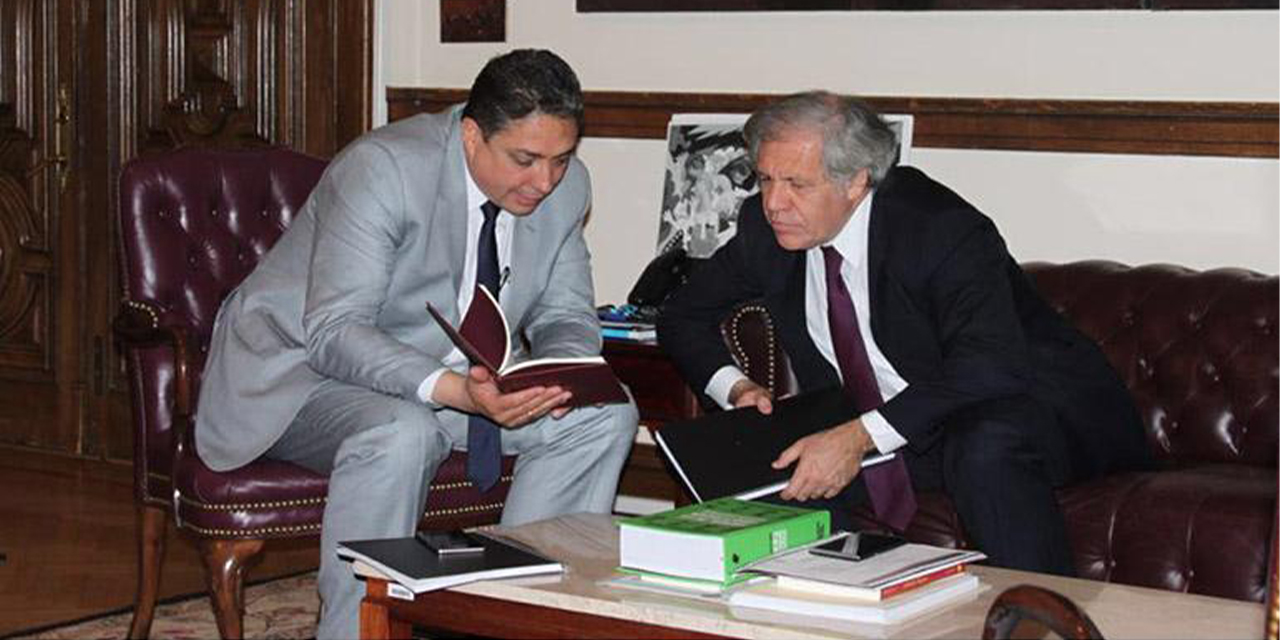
{"points": [[858, 546], [449, 542]]}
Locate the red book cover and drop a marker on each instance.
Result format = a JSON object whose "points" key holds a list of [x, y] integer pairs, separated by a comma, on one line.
{"points": [[484, 339]]}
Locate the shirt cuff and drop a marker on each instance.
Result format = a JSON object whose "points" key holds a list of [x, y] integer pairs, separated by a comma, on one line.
{"points": [[721, 384], [428, 388], [882, 434]]}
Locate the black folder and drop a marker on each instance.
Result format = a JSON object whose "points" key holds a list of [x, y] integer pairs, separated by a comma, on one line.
{"points": [[409, 562], [728, 453]]}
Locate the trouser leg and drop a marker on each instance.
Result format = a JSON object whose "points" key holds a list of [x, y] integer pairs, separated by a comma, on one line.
{"points": [[568, 465], [380, 454], [996, 469]]}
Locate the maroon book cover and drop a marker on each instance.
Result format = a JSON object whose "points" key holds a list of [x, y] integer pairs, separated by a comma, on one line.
{"points": [[484, 339]]}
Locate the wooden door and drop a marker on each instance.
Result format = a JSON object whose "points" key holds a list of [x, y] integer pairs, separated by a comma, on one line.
{"points": [[40, 314], [86, 85]]}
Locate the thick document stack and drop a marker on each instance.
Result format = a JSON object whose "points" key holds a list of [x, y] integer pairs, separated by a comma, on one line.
{"points": [[418, 568], [729, 453], [889, 587], [710, 542], [484, 337]]}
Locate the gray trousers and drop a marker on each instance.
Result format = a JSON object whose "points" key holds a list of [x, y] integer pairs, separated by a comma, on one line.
{"points": [[381, 452]]}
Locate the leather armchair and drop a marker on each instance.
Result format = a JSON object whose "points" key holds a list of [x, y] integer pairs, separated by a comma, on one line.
{"points": [[193, 224], [1198, 351]]}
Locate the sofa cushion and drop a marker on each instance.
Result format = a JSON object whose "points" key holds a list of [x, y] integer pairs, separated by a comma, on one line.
{"points": [[1201, 529]]}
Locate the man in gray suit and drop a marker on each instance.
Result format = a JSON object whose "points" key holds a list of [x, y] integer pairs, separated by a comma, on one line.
{"points": [[326, 357]]}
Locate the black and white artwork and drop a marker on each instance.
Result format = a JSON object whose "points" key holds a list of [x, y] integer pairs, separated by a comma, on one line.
{"points": [[708, 175]]}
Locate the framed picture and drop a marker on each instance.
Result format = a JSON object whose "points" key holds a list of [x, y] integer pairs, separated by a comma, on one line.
{"points": [[708, 175]]}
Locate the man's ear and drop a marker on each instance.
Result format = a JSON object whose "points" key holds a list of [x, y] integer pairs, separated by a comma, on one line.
{"points": [[858, 185], [471, 136]]}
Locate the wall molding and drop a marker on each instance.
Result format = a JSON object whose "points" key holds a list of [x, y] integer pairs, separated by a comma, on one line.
{"points": [[1235, 129]]}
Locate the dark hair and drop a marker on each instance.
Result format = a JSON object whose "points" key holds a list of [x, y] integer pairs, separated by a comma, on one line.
{"points": [[523, 82], [854, 136]]}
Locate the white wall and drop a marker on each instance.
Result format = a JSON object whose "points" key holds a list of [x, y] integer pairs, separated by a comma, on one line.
{"points": [[1202, 212]]}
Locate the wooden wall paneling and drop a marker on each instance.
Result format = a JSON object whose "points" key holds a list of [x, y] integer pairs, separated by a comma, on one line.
{"points": [[1245, 129], [353, 71], [38, 311], [137, 76]]}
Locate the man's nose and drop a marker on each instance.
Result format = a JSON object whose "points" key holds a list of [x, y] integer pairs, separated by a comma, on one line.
{"points": [[774, 199], [544, 178]]}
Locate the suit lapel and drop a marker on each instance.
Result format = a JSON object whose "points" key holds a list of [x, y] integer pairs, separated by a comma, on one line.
{"points": [[811, 369], [525, 251], [876, 242], [451, 210]]}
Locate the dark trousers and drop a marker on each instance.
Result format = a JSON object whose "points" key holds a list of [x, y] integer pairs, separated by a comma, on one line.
{"points": [[999, 462]]}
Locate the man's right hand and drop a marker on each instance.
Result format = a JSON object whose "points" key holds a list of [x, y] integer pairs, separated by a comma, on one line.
{"points": [[477, 393], [745, 393]]}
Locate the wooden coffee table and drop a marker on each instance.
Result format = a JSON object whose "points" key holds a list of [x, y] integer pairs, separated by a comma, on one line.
{"points": [[575, 604]]}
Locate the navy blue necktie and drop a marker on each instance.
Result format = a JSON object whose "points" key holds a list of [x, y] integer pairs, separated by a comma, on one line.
{"points": [[484, 440], [887, 483]]}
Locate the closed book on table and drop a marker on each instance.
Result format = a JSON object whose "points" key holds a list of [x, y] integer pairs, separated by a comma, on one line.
{"points": [[409, 562], [936, 596], [730, 453], [884, 576], [714, 539], [485, 338]]}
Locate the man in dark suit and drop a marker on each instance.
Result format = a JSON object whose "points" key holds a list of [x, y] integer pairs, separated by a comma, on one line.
{"points": [[888, 283]]}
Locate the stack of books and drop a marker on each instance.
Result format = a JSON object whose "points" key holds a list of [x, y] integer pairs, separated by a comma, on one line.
{"points": [[704, 547], [892, 586]]}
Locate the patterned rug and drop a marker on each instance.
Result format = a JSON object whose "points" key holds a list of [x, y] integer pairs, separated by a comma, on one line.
{"points": [[281, 609]]}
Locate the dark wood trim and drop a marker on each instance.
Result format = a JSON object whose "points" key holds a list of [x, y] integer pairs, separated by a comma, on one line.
{"points": [[634, 6], [1239, 129]]}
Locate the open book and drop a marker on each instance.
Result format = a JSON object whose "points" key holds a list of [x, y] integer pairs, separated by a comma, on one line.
{"points": [[484, 337]]}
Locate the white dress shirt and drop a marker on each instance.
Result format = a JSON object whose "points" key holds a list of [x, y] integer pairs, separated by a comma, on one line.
{"points": [[454, 360], [851, 242]]}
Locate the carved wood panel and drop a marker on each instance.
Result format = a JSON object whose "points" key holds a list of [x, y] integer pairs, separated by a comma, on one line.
{"points": [[36, 298], [247, 73], [98, 82]]}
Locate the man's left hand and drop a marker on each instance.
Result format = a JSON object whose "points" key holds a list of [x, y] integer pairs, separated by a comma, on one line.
{"points": [[826, 462]]}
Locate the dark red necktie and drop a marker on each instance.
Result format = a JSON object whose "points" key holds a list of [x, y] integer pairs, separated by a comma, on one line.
{"points": [[887, 483]]}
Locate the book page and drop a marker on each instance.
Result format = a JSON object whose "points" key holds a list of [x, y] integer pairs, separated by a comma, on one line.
{"points": [[541, 362], [890, 567]]}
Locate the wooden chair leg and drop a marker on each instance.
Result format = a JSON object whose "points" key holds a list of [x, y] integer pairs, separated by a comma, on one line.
{"points": [[224, 563], [152, 522]]}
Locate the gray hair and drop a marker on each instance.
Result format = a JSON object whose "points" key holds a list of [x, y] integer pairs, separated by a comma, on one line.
{"points": [[854, 136]]}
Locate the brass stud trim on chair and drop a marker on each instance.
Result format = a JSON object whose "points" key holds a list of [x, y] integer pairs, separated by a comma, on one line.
{"points": [[461, 510], [740, 354], [246, 506], [145, 308], [463, 484], [250, 533]]}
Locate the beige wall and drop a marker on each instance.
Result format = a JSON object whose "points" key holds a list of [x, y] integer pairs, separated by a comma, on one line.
{"points": [[1202, 212]]}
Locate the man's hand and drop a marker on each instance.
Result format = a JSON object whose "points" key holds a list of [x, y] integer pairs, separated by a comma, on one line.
{"points": [[826, 462], [745, 393], [477, 393]]}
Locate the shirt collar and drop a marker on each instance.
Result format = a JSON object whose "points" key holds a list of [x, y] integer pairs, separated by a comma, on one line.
{"points": [[851, 241], [475, 197]]}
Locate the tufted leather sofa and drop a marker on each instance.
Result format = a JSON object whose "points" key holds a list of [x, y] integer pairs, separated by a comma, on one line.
{"points": [[1198, 350], [193, 224]]}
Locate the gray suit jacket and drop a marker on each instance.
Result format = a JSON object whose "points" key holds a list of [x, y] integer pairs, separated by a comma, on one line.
{"points": [[343, 294]]}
